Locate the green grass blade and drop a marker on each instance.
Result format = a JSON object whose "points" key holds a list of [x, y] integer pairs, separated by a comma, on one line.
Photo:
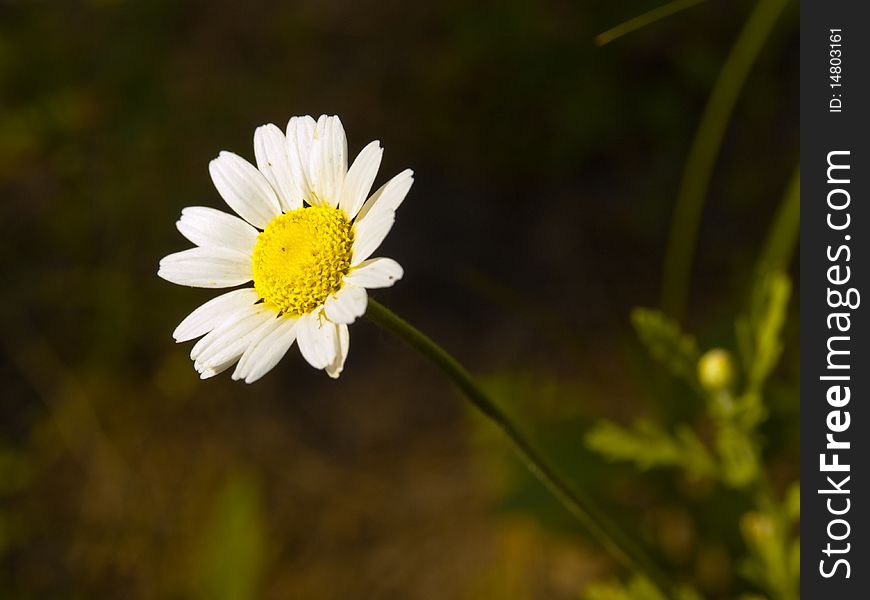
{"points": [[643, 20], [705, 150]]}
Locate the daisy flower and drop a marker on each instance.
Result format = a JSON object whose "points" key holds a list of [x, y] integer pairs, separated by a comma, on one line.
{"points": [[305, 237]]}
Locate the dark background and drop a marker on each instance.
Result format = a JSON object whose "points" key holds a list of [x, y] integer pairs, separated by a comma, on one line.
{"points": [[546, 172]]}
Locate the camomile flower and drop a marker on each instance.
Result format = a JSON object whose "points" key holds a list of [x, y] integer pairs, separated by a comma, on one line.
{"points": [[306, 235]]}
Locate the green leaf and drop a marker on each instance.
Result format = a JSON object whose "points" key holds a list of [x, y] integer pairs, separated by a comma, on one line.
{"points": [[737, 455], [648, 445], [667, 343], [637, 588], [759, 332]]}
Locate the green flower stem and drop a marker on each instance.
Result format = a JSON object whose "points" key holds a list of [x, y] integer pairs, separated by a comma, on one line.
{"points": [[617, 542]]}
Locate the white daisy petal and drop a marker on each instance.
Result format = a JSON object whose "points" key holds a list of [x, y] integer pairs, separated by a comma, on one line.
{"points": [[244, 189], [231, 320], [327, 164], [343, 345], [273, 161], [376, 217], [346, 305], [300, 136], [261, 332], [213, 228], [389, 196], [214, 312], [206, 267], [316, 339], [359, 179], [370, 233], [231, 339], [375, 273], [264, 354], [217, 361]]}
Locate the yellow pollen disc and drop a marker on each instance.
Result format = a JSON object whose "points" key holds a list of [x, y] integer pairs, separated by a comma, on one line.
{"points": [[301, 257]]}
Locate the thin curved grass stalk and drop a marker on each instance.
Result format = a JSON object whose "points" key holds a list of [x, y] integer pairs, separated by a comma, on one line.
{"points": [[599, 525], [705, 150], [782, 237], [640, 21]]}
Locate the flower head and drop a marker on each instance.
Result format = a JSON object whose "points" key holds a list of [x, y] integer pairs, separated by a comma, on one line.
{"points": [[306, 232]]}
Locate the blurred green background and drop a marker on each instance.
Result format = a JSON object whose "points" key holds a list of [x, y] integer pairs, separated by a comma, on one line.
{"points": [[547, 170]]}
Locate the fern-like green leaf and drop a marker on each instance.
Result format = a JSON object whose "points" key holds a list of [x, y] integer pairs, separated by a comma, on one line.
{"points": [[648, 445], [759, 332], [667, 343], [737, 456]]}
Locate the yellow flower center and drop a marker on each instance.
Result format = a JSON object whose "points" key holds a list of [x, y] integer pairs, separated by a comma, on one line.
{"points": [[301, 257]]}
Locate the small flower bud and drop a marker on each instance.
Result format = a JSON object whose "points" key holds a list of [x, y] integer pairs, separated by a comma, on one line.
{"points": [[715, 370]]}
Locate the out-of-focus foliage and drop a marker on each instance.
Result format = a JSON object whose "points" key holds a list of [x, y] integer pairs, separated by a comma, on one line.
{"points": [[637, 588], [670, 346], [733, 414], [717, 503], [648, 445], [758, 332]]}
